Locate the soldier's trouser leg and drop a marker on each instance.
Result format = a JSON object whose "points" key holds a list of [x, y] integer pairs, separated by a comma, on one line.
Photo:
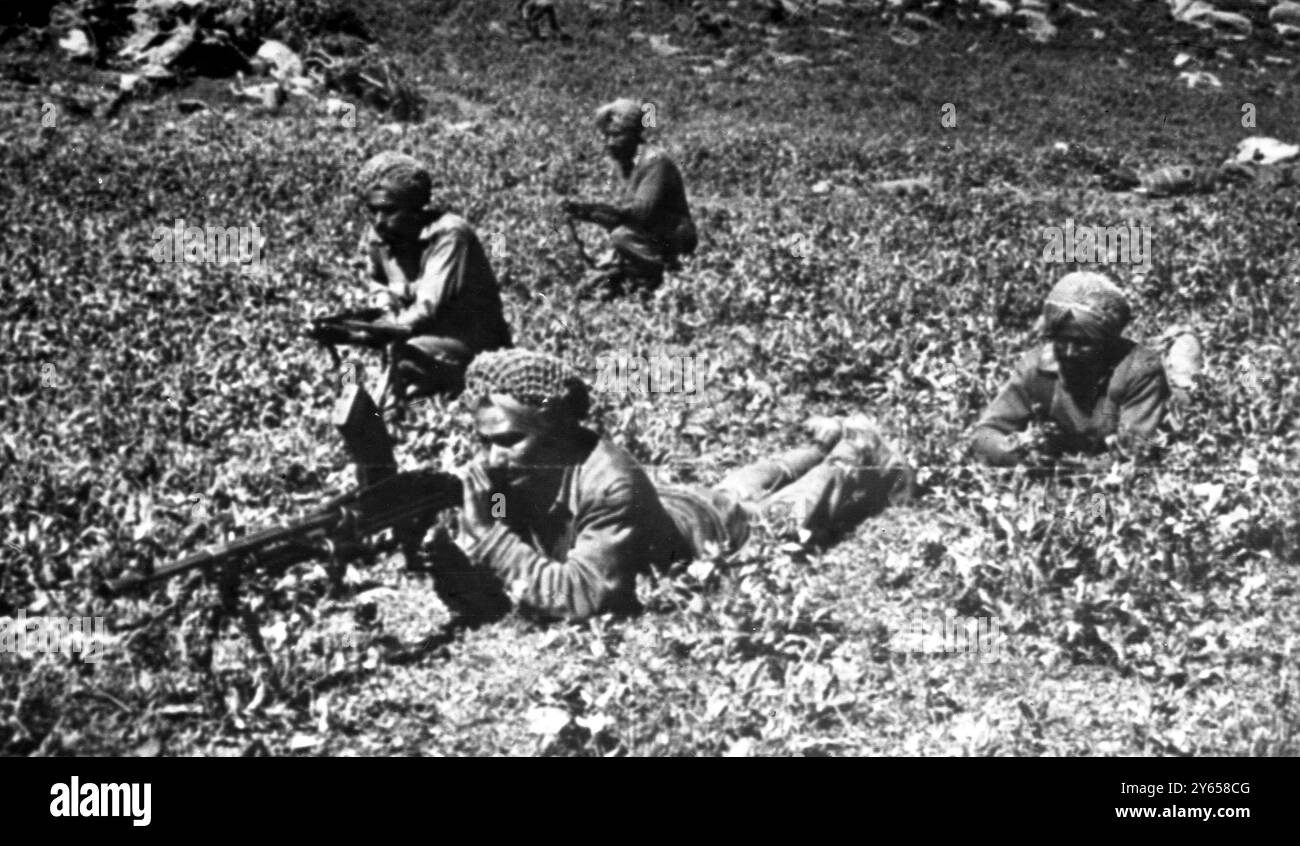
{"points": [[641, 260], [753, 482], [430, 364], [862, 475]]}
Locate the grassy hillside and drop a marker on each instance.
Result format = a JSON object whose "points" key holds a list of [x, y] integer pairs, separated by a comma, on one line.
{"points": [[152, 408]]}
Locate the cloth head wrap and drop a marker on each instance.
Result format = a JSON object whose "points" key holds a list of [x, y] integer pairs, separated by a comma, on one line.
{"points": [[406, 178], [532, 387], [622, 115], [1088, 301]]}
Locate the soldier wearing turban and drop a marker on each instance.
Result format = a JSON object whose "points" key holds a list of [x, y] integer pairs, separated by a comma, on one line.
{"points": [[441, 291], [1086, 384], [651, 227], [560, 521]]}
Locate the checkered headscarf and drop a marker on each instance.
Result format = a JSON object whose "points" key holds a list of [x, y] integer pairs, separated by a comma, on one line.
{"points": [[408, 179], [534, 379]]}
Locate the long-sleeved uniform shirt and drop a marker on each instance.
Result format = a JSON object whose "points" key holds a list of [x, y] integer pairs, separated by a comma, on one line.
{"points": [[579, 554], [443, 285], [654, 203], [1130, 400]]}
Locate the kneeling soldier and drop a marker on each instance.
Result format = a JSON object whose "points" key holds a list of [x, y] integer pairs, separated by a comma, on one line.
{"points": [[652, 227], [444, 306]]}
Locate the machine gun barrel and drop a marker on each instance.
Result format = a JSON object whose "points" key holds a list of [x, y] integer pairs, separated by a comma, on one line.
{"points": [[343, 528]]}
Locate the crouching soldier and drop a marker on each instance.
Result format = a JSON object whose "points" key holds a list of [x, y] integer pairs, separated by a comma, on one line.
{"points": [[1086, 389], [559, 522], [652, 226], [443, 303]]}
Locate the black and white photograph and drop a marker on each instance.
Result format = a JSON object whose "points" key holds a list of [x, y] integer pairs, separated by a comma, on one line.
{"points": [[651, 378]]}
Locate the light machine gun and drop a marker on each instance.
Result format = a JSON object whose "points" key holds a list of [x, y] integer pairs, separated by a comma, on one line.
{"points": [[388, 511]]}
